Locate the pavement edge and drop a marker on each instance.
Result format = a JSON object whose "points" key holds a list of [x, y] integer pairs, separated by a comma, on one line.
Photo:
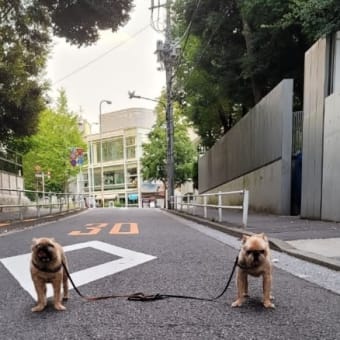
{"points": [[276, 244]]}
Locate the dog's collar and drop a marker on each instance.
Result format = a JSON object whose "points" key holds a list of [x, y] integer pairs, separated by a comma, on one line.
{"points": [[247, 268], [46, 270]]}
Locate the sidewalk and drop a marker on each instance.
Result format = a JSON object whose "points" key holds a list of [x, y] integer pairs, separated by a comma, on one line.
{"points": [[311, 240]]}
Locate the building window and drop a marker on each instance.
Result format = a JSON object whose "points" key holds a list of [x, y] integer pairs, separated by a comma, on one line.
{"points": [[130, 147], [112, 150], [132, 178], [114, 178]]}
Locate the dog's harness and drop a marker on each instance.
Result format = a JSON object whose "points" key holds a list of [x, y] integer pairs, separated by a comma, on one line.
{"points": [[149, 297], [47, 270]]}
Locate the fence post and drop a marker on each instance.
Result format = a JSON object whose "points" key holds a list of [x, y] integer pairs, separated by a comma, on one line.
{"points": [[245, 208], [50, 201], [205, 198], [37, 203], [219, 206], [21, 215]]}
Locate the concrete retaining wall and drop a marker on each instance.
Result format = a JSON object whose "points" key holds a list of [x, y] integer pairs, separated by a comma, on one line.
{"points": [[331, 160], [255, 154], [315, 91]]}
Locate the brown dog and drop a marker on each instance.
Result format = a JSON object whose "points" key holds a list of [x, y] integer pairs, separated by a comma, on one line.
{"points": [[46, 267], [254, 259]]}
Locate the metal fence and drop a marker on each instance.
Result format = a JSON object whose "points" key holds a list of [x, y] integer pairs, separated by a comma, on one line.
{"points": [[21, 205], [200, 204], [297, 132]]}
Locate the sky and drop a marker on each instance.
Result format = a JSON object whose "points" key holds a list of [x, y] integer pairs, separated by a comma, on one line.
{"points": [[119, 62]]}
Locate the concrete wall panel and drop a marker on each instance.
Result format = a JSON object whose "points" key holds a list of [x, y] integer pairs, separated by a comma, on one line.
{"points": [[315, 87], [331, 174], [260, 138], [257, 182]]}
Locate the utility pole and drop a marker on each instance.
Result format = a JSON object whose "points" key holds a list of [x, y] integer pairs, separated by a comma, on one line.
{"points": [[167, 53]]}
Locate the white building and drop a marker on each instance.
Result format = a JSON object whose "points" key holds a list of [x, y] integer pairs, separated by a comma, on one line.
{"points": [[113, 174]]}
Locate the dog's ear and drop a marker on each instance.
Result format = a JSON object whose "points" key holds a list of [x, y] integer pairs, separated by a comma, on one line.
{"points": [[34, 243], [263, 235], [244, 239]]}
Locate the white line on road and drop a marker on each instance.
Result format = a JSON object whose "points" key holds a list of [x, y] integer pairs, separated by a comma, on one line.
{"points": [[19, 265]]}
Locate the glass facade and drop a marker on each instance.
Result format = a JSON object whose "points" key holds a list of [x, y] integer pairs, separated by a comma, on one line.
{"points": [[120, 170], [130, 143], [112, 150], [113, 172]]}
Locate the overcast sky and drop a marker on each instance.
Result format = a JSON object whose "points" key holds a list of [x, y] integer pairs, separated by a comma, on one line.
{"points": [[117, 63]]}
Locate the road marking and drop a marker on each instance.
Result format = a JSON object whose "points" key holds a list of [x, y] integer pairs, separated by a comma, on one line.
{"points": [[94, 229], [133, 229], [19, 265]]}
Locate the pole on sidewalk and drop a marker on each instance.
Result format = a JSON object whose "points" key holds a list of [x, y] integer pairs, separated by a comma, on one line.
{"points": [[245, 208], [167, 54]]}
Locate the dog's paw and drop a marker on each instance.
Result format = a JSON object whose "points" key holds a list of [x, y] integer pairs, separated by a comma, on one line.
{"points": [[59, 306], [38, 308], [268, 304], [237, 303]]}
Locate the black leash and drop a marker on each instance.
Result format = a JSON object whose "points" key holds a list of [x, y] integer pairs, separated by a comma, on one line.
{"points": [[150, 297]]}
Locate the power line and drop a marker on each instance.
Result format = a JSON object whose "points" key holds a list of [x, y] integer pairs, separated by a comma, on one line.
{"points": [[100, 56]]}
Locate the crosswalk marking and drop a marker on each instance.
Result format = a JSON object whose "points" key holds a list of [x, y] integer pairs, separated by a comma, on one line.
{"points": [[19, 265]]}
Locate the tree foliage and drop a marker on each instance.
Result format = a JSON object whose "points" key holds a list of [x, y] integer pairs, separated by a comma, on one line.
{"points": [[26, 28], [316, 17], [79, 21], [24, 43], [154, 160], [51, 146], [235, 51]]}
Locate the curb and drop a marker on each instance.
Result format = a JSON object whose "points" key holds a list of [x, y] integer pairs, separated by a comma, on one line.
{"points": [[276, 244]]}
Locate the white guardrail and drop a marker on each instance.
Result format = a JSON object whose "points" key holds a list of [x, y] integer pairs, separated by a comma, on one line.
{"points": [[204, 201]]}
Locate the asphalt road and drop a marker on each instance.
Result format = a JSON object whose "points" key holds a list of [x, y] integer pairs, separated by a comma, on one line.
{"points": [[123, 251]]}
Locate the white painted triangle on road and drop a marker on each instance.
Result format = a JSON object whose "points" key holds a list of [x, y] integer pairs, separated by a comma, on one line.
{"points": [[19, 265]]}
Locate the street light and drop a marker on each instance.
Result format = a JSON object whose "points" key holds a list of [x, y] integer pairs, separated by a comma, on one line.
{"points": [[101, 149], [133, 95], [170, 145]]}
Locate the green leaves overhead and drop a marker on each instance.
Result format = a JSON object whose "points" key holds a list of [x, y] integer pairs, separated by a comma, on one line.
{"points": [[235, 51], [24, 42], [26, 29], [79, 21]]}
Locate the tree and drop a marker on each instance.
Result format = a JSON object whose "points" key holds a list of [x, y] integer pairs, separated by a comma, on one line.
{"points": [[154, 160], [233, 53], [23, 50], [79, 21], [51, 146], [317, 18], [26, 28]]}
